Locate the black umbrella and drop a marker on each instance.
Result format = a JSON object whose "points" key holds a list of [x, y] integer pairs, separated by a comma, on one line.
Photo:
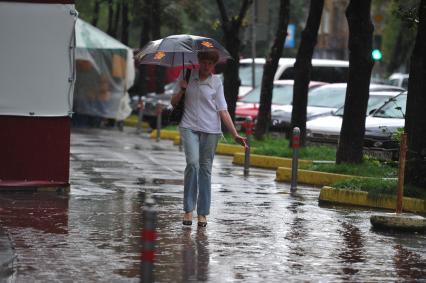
{"points": [[179, 50]]}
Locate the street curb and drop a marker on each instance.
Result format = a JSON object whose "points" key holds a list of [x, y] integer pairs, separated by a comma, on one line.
{"points": [[228, 149], [265, 161], [176, 140], [222, 148], [165, 134], [359, 198], [132, 121], [317, 178]]}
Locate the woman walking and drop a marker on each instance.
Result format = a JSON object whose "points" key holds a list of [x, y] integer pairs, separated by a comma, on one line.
{"points": [[200, 129]]}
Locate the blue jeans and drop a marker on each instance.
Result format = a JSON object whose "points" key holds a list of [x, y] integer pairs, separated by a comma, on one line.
{"points": [[199, 152]]}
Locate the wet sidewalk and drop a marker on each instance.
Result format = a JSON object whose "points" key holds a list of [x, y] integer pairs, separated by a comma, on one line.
{"points": [[257, 230]]}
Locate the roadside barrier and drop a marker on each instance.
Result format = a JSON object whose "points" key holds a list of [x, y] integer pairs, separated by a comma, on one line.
{"points": [[148, 239], [140, 116], [401, 171], [158, 110], [294, 162], [248, 125]]}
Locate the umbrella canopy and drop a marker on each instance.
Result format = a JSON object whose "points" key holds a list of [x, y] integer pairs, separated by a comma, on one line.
{"points": [[178, 50]]}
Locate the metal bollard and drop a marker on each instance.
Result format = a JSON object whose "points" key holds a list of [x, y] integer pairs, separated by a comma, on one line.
{"points": [[140, 116], [294, 162], [248, 125], [158, 110], [148, 239]]}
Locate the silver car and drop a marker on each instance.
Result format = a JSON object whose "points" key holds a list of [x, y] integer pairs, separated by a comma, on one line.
{"points": [[322, 101], [380, 125]]}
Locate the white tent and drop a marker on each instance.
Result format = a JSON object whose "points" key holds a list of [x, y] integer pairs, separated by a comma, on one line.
{"points": [[36, 59], [105, 70]]}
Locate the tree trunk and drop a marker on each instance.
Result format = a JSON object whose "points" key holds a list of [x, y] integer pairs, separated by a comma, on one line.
{"points": [[125, 24], [160, 72], [110, 27], [231, 79], [116, 19], [231, 29], [96, 9], [415, 119], [269, 69], [303, 68], [360, 65], [146, 23]]}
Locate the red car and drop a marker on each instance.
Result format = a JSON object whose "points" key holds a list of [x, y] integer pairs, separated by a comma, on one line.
{"points": [[282, 94]]}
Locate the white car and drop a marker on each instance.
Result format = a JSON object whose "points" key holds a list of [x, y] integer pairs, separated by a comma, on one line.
{"points": [[323, 70], [379, 128], [326, 129], [322, 101], [399, 79]]}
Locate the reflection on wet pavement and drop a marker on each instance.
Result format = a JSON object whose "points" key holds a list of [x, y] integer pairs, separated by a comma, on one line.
{"points": [[257, 231]]}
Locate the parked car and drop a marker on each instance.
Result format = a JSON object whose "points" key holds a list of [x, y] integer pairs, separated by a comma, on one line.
{"points": [[379, 140], [380, 126], [282, 94], [322, 101], [150, 102], [399, 79], [326, 129], [323, 70]]}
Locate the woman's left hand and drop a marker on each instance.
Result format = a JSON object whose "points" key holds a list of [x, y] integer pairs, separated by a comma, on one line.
{"points": [[242, 141]]}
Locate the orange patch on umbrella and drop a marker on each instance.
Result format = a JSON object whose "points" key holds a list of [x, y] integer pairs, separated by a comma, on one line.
{"points": [[207, 44], [159, 55]]}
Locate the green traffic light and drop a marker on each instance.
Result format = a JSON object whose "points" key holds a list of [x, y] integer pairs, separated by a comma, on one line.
{"points": [[376, 54]]}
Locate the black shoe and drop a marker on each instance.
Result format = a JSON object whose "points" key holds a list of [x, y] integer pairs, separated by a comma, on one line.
{"points": [[202, 221], [202, 224], [186, 221]]}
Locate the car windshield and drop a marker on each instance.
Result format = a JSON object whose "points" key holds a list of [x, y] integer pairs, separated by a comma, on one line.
{"points": [[332, 97], [245, 72], [281, 94], [374, 102], [394, 108]]}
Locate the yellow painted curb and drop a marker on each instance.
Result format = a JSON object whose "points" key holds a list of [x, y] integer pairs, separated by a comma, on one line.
{"points": [[317, 178], [176, 140], [264, 161], [228, 149], [132, 121], [342, 196], [164, 134]]}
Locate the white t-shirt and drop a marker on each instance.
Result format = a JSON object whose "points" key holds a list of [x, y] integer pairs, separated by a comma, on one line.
{"points": [[203, 101]]}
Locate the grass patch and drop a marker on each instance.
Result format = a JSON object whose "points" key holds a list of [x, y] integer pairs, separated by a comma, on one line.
{"points": [[274, 146], [377, 187], [368, 168], [171, 128]]}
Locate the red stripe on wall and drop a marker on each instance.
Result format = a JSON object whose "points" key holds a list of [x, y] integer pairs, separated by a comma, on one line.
{"points": [[34, 150]]}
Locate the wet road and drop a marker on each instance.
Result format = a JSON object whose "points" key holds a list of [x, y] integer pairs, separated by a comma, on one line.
{"points": [[257, 231]]}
